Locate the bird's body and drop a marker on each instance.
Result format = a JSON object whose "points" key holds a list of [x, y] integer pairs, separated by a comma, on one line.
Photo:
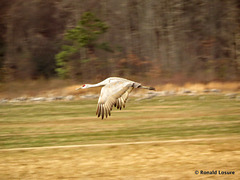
{"points": [[115, 92]]}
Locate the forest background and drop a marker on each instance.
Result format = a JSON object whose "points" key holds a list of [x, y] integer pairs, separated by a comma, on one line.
{"points": [[144, 40]]}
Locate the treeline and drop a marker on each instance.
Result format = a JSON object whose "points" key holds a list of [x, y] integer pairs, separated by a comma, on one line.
{"points": [[153, 40]]}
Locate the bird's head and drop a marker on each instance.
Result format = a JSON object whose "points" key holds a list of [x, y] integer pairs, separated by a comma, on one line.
{"points": [[85, 86]]}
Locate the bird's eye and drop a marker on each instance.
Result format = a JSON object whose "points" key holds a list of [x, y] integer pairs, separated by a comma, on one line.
{"points": [[84, 85]]}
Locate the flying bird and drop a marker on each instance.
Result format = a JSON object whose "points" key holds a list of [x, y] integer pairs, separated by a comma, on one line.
{"points": [[115, 92]]}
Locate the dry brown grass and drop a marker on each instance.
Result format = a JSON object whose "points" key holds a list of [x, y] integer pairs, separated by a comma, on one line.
{"points": [[56, 87], [31, 88], [224, 86], [152, 161]]}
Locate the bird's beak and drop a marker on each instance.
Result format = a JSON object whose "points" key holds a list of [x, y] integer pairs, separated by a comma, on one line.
{"points": [[78, 88]]}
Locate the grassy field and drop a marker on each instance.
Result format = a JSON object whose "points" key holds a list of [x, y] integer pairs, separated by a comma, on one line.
{"points": [[161, 118]]}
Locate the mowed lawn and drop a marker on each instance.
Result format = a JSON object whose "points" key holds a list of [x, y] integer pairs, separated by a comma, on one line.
{"points": [[161, 118], [64, 123]]}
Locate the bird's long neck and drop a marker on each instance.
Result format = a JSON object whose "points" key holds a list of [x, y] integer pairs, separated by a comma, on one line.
{"points": [[96, 85]]}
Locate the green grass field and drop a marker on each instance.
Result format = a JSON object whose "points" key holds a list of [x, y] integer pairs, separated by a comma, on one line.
{"points": [[65, 123], [161, 118]]}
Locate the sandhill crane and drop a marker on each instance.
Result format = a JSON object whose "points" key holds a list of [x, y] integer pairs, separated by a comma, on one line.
{"points": [[115, 92]]}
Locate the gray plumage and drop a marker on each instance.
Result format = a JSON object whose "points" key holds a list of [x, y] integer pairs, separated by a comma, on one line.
{"points": [[115, 92]]}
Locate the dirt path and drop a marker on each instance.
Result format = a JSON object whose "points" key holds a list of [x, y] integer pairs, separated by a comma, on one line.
{"points": [[123, 143]]}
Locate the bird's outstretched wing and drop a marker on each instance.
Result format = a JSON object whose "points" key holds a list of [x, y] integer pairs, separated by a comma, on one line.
{"points": [[121, 101], [114, 93]]}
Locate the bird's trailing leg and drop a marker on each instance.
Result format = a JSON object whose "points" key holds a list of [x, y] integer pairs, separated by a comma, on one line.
{"points": [[138, 85], [146, 87]]}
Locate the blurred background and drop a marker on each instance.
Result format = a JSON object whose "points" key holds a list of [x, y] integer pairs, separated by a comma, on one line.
{"points": [[152, 41], [188, 50]]}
